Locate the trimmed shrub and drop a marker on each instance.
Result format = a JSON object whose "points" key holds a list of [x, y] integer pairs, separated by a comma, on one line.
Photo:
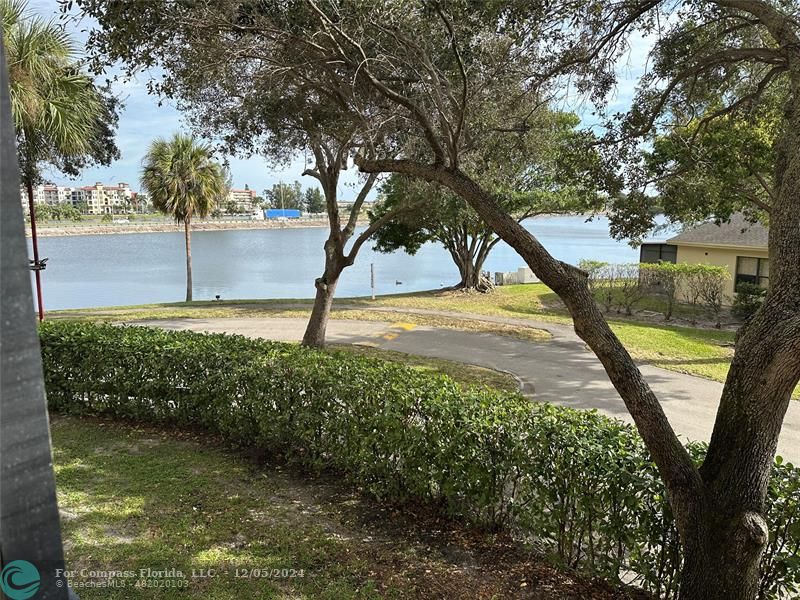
{"points": [[665, 278], [594, 271], [710, 284], [577, 484], [747, 300], [631, 290], [625, 285]]}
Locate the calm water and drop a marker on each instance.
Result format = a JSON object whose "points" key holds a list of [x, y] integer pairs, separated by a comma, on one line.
{"points": [[105, 270]]}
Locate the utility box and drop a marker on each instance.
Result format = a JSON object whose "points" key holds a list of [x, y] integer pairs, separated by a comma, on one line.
{"points": [[525, 275], [521, 275]]}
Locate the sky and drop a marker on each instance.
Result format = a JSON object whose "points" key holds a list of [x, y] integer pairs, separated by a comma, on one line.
{"points": [[142, 119]]}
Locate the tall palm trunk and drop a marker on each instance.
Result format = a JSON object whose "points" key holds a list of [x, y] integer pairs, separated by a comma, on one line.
{"points": [[35, 243], [28, 505], [187, 233]]}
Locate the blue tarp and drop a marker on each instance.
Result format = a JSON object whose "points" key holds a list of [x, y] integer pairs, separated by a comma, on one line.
{"points": [[285, 213]]}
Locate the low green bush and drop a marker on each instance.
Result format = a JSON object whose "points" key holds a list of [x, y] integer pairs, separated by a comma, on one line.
{"points": [[748, 299], [578, 485]]}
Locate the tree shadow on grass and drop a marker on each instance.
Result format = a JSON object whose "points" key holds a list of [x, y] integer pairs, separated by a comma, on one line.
{"points": [[135, 497]]}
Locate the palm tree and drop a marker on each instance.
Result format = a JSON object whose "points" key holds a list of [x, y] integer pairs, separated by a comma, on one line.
{"points": [[183, 181], [56, 109]]}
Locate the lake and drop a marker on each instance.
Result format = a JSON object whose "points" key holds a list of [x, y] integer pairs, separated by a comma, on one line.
{"points": [[106, 270]]}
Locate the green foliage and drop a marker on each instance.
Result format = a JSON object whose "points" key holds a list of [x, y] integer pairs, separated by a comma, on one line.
{"points": [[433, 213], [623, 286], [713, 122], [106, 218], [313, 201], [747, 300], [547, 169], [58, 212], [231, 207], [705, 285], [668, 279], [579, 484], [615, 285], [591, 266], [781, 558], [284, 195], [181, 178], [60, 116]]}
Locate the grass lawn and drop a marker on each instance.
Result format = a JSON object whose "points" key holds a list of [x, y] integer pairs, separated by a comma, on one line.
{"points": [[134, 497], [697, 351], [265, 309], [703, 352], [461, 372]]}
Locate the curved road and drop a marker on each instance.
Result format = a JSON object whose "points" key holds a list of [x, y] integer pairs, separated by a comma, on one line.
{"points": [[561, 371]]}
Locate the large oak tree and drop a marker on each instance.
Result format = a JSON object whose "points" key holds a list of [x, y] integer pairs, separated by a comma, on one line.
{"points": [[237, 95], [546, 168]]}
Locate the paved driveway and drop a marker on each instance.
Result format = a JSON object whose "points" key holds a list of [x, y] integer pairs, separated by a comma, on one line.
{"points": [[561, 371]]}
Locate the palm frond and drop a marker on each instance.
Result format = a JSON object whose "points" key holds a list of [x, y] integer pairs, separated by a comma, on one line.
{"points": [[182, 178], [55, 107]]}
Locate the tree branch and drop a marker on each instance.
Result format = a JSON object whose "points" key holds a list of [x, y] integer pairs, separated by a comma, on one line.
{"points": [[674, 463], [356, 209], [777, 23], [375, 226], [464, 85], [416, 111]]}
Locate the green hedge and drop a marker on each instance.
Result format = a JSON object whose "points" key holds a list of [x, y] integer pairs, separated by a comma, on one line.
{"points": [[576, 484]]}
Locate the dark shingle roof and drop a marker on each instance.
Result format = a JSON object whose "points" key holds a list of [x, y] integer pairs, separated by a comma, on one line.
{"points": [[738, 232]]}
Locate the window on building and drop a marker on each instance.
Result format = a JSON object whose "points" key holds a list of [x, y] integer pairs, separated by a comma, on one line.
{"points": [[653, 253], [752, 270]]}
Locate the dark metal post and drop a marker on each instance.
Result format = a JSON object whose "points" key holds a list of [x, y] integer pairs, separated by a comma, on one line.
{"points": [[37, 271], [30, 534]]}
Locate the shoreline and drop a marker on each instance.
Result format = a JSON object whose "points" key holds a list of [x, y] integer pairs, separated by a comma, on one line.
{"points": [[120, 229], [165, 227]]}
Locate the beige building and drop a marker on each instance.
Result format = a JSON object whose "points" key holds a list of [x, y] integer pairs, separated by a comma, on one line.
{"points": [[99, 198], [103, 199], [244, 200], [47, 194], [739, 245]]}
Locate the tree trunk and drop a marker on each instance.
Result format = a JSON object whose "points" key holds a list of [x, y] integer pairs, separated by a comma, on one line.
{"points": [[35, 243], [472, 277], [187, 232], [722, 552], [673, 461], [29, 521], [314, 336], [469, 258], [722, 561], [718, 511]]}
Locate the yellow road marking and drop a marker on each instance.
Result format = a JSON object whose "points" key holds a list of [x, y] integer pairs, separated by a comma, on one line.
{"points": [[390, 336], [404, 326]]}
